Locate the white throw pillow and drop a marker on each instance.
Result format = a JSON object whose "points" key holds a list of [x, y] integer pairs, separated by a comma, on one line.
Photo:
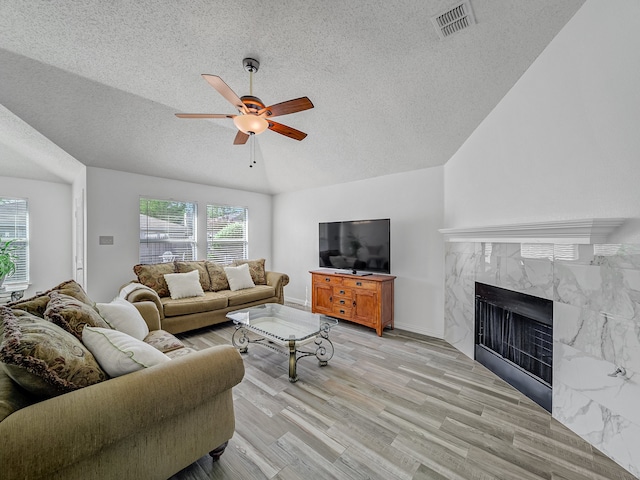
{"points": [[239, 277], [124, 317], [183, 285], [119, 353]]}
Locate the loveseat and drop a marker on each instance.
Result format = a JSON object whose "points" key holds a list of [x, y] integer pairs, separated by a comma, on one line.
{"points": [[217, 296], [149, 424]]}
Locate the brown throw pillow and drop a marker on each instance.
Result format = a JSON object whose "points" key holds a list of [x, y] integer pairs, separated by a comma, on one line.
{"points": [[72, 315], [186, 267], [256, 269], [218, 277], [153, 276], [42, 358], [37, 304]]}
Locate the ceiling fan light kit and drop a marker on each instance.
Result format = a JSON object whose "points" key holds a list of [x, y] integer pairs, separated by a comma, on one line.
{"points": [[252, 113]]}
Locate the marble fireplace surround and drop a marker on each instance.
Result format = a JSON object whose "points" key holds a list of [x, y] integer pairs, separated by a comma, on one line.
{"points": [[595, 289]]}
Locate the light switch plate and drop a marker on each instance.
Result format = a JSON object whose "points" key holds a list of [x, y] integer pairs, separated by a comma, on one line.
{"points": [[105, 240]]}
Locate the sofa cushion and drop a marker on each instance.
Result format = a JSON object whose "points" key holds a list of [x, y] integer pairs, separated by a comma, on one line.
{"points": [[184, 285], [72, 315], [119, 353], [37, 304], [256, 269], [259, 292], [163, 341], [201, 267], [153, 276], [239, 277], [124, 317], [217, 276], [184, 306], [43, 358]]}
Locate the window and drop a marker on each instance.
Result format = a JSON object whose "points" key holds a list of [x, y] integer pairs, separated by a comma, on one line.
{"points": [[14, 225], [227, 234], [167, 231]]}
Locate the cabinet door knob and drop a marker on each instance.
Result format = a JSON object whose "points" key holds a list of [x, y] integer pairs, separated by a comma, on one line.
{"points": [[331, 299], [354, 303]]}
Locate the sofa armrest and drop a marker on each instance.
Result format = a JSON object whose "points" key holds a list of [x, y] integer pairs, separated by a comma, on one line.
{"points": [[278, 281], [150, 313], [77, 425], [144, 295]]}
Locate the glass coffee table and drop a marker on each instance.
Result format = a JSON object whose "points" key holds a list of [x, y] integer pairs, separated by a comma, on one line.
{"points": [[285, 330]]}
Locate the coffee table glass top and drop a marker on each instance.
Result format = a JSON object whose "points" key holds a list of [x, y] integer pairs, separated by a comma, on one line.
{"points": [[282, 322]]}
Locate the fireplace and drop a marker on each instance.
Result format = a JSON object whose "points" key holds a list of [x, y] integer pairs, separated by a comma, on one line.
{"points": [[514, 339]]}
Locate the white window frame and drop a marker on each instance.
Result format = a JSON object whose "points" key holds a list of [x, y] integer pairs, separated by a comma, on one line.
{"points": [[167, 237], [226, 249], [14, 221]]}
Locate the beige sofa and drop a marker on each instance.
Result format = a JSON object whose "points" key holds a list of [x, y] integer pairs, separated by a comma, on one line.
{"points": [[184, 314], [147, 424]]}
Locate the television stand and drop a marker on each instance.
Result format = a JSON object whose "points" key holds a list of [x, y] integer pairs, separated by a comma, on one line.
{"points": [[368, 302]]}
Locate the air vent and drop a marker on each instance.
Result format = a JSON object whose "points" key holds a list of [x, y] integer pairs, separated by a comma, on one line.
{"points": [[453, 20]]}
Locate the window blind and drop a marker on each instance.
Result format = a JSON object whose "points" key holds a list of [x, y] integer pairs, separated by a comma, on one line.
{"points": [[167, 230], [14, 225], [227, 238]]}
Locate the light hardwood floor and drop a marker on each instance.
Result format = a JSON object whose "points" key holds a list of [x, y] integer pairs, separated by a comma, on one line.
{"points": [[401, 406]]}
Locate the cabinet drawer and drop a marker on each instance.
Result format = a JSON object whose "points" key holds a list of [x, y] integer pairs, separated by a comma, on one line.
{"points": [[327, 280], [356, 283], [342, 292], [343, 302], [340, 311]]}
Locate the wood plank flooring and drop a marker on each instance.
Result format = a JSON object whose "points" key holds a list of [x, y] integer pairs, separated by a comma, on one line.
{"points": [[401, 406]]}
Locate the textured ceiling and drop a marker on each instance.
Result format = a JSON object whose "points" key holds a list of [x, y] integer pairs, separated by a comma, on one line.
{"points": [[102, 80]]}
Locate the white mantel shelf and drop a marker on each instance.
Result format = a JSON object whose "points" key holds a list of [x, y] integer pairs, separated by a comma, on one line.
{"points": [[585, 231]]}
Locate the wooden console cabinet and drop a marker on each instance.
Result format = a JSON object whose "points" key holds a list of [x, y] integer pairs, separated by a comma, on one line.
{"points": [[367, 300]]}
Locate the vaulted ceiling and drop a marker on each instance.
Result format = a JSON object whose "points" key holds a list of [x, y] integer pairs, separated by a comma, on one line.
{"points": [[98, 82]]}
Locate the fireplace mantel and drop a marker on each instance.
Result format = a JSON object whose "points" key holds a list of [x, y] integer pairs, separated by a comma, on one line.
{"points": [[585, 231]]}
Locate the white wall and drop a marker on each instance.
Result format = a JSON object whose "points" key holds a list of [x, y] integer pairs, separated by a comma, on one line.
{"points": [[413, 202], [564, 142], [113, 209], [50, 252]]}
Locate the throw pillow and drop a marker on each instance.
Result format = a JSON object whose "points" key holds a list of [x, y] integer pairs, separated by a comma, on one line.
{"points": [[43, 358], [124, 317], [37, 304], [239, 277], [201, 267], [71, 314], [218, 277], [256, 269], [119, 353], [153, 276], [184, 285]]}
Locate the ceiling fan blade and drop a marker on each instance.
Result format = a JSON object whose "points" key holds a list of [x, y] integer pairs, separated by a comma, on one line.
{"points": [[224, 90], [286, 131], [204, 115], [285, 108], [241, 138]]}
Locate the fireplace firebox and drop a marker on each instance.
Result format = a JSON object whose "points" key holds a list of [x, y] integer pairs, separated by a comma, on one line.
{"points": [[514, 339]]}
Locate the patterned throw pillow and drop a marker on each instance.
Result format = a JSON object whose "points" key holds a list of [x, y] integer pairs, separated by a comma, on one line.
{"points": [[72, 315], [218, 277], [200, 265], [42, 358], [256, 269], [37, 304], [153, 276]]}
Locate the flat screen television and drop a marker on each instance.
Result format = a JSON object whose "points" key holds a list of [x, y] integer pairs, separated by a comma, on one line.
{"points": [[360, 246]]}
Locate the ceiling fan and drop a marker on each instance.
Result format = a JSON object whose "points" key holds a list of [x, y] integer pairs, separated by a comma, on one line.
{"points": [[253, 117]]}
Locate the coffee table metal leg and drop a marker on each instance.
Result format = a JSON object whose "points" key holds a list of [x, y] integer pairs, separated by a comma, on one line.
{"points": [[240, 339], [293, 377], [324, 350]]}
